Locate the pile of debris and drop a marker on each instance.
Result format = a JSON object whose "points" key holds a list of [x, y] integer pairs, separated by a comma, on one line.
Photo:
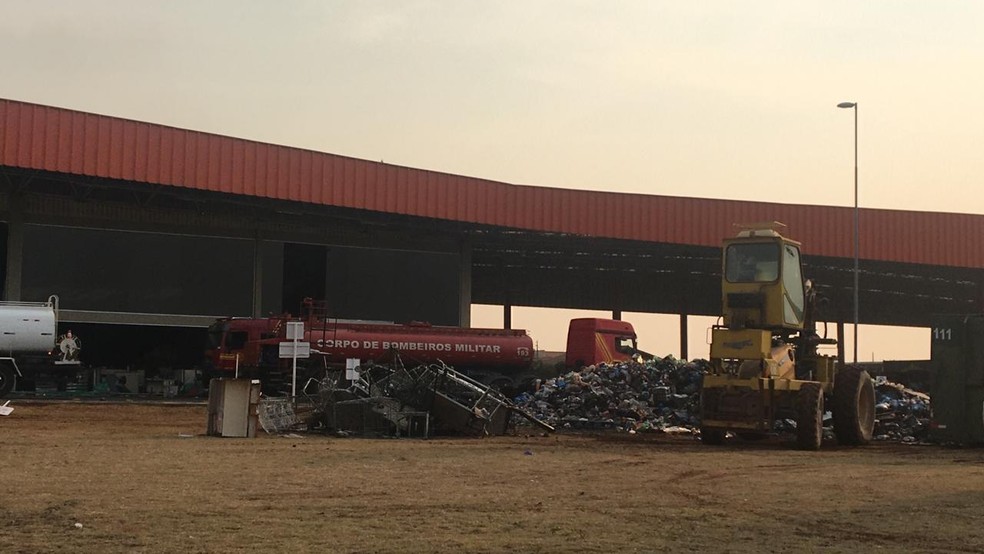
{"points": [[658, 395], [664, 395], [901, 414], [394, 400]]}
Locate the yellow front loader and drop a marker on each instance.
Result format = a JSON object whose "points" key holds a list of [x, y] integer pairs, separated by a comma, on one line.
{"points": [[765, 363]]}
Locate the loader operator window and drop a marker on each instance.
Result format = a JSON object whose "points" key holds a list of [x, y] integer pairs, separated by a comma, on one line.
{"points": [[792, 283], [752, 262]]}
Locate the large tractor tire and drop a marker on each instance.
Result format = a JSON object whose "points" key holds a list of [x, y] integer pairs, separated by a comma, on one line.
{"points": [[854, 406], [8, 378], [711, 436], [809, 420]]}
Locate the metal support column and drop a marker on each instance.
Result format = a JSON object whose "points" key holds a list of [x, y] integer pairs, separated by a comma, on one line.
{"points": [[464, 285], [684, 338], [840, 343], [617, 315], [507, 316], [15, 251], [257, 277]]}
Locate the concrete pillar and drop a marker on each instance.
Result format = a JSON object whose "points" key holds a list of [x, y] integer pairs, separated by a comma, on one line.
{"points": [[684, 338], [15, 251], [464, 285], [617, 315], [840, 343], [257, 277], [506, 316]]}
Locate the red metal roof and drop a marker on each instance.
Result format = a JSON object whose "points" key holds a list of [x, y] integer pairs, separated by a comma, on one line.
{"points": [[55, 139]]}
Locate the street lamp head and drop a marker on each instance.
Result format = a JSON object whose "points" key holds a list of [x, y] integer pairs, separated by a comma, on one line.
{"points": [[847, 104]]}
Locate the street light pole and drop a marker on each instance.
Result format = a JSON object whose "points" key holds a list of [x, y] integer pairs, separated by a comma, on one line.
{"points": [[854, 106]]}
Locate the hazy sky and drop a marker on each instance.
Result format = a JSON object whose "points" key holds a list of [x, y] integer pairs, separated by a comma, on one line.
{"points": [[709, 99]]}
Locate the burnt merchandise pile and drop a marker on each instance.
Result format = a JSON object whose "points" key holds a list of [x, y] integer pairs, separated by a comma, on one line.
{"points": [[664, 395], [658, 395], [901, 414]]}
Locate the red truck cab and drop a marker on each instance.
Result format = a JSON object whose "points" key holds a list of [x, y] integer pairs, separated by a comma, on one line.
{"points": [[593, 341]]}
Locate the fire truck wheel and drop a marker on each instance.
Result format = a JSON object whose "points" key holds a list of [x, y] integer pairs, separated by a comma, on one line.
{"points": [[854, 406], [8, 378], [709, 435], [809, 420]]}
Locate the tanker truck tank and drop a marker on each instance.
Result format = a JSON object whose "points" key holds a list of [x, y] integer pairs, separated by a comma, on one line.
{"points": [[28, 328], [459, 347]]}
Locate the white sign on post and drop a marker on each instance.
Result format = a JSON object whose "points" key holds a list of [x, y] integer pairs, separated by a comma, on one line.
{"points": [[352, 368], [303, 349], [295, 332]]}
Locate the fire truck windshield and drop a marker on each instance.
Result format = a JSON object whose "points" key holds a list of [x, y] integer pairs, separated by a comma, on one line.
{"points": [[215, 331]]}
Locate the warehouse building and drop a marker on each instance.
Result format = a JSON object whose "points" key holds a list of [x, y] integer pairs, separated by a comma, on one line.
{"points": [[147, 233]]}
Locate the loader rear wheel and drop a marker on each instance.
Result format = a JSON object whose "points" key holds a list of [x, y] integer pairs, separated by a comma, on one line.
{"points": [[8, 378], [809, 420], [711, 436], [854, 406]]}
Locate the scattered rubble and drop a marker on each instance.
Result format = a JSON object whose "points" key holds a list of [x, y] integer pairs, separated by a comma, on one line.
{"points": [[397, 401]]}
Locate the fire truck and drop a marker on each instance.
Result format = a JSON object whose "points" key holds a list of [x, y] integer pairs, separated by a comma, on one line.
{"points": [[500, 357]]}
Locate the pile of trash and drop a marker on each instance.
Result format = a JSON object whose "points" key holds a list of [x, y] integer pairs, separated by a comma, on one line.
{"points": [[901, 414], [664, 395], [658, 395]]}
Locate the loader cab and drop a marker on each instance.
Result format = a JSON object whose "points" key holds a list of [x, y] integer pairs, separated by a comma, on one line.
{"points": [[762, 285]]}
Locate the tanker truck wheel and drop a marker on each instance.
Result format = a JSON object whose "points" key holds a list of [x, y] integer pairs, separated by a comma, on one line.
{"points": [[854, 406], [809, 420], [8, 378]]}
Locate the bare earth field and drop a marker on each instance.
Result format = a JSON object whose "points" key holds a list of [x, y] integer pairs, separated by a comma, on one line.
{"points": [[135, 484]]}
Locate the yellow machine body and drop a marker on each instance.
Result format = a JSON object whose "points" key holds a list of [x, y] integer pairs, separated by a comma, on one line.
{"points": [[755, 371]]}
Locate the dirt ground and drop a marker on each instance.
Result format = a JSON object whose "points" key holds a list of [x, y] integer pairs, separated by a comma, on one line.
{"points": [[143, 478]]}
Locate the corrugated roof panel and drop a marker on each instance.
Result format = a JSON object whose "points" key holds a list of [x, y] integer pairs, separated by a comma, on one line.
{"points": [[489, 202], [196, 167], [237, 166], [25, 123], [211, 170], [104, 146], [251, 170], [293, 174], [354, 189], [220, 168], [5, 109], [363, 186], [254, 169], [49, 139], [279, 186], [63, 156], [114, 140], [438, 194], [531, 208], [312, 171], [404, 200], [316, 169], [128, 153], [160, 169]]}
